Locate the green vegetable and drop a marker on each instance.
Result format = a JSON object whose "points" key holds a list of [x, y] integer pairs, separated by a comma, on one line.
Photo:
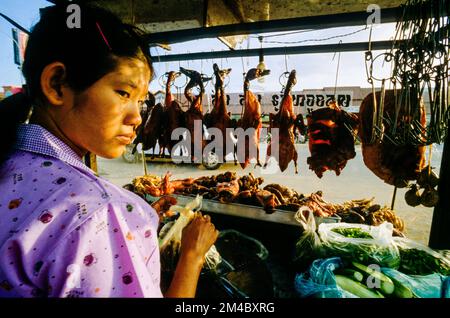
{"points": [[364, 253], [356, 288], [350, 273], [352, 233], [401, 290], [387, 286], [306, 250], [418, 262]]}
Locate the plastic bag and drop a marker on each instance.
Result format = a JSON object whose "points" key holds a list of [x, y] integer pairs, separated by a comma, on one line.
{"points": [[308, 245], [428, 286], [418, 259], [377, 248], [236, 238], [320, 281], [170, 240], [243, 271]]}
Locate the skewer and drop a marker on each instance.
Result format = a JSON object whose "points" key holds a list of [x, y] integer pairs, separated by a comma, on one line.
{"points": [[144, 162], [393, 198], [429, 158]]}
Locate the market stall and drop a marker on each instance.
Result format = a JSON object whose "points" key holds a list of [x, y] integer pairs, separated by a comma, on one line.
{"points": [[275, 240]]}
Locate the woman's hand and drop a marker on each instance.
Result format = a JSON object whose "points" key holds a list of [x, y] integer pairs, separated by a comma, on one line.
{"points": [[198, 237], [163, 204], [196, 240]]}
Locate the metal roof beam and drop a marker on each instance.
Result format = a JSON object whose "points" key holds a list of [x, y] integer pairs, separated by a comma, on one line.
{"points": [[282, 25], [290, 50]]}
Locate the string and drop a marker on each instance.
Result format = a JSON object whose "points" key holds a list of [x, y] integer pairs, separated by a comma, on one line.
{"points": [[337, 70]]}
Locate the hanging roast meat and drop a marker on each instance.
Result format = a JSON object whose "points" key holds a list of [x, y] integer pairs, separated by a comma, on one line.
{"points": [[286, 122], [194, 115], [250, 119], [145, 114], [331, 139], [173, 116], [153, 128], [394, 164], [219, 117], [145, 111]]}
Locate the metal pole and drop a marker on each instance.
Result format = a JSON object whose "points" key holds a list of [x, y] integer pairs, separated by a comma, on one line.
{"points": [[440, 227], [291, 50]]}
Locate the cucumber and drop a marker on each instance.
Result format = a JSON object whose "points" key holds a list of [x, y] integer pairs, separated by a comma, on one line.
{"points": [[355, 288], [351, 273], [387, 286], [401, 290]]}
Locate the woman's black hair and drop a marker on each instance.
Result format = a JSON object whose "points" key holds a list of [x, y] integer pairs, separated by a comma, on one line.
{"points": [[88, 50]]}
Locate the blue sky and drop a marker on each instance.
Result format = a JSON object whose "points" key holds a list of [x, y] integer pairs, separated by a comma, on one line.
{"points": [[314, 70], [26, 13]]}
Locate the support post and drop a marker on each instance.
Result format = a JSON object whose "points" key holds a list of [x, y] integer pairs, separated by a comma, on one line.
{"points": [[440, 227]]}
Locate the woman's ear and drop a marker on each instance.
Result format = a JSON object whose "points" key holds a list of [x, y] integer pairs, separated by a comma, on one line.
{"points": [[52, 82]]}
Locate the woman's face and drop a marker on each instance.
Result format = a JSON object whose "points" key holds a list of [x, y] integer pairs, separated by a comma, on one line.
{"points": [[103, 118]]}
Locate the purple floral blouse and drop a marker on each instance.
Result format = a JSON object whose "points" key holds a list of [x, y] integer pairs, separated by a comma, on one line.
{"points": [[64, 232]]}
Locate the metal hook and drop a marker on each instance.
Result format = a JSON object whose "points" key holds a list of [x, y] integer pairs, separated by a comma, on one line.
{"points": [[283, 84], [370, 38], [178, 74]]}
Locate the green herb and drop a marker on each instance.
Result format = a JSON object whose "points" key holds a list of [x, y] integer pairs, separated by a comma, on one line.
{"points": [[352, 233], [385, 256], [419, 262]]}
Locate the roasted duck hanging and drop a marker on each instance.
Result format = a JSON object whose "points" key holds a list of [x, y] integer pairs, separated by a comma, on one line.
{"points": [[331, 133], [286, 122], [219, 117], [250, 122], [154, 129], [145, 114], [193, 117], [174, 116]]}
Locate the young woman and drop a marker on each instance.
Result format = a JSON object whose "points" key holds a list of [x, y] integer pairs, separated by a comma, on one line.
{"points": [[64, 232]]}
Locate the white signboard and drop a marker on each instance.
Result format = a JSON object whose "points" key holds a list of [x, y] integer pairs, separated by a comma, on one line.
{"points": [[304, 102]]}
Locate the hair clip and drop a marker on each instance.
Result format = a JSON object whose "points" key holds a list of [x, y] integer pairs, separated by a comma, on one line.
{"points": [[103, 36]]}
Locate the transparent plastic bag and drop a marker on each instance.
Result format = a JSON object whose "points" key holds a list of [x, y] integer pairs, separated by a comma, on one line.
{"points": [[308, 245], [320, 281], [427, 286], [418, 259], [170, 239], [377, 248]]}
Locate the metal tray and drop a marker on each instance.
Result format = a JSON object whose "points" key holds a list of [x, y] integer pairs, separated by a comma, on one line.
{"points": [[248, 211]]}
